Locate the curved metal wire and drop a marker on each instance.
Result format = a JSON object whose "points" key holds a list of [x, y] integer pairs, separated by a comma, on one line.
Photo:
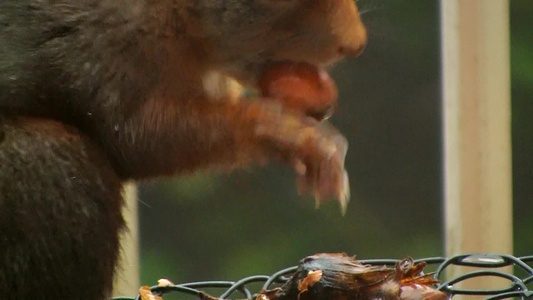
{"points": [[520, 284]]}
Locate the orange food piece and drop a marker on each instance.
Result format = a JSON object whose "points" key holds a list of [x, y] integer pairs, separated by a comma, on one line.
{"points": [[301, 87]]}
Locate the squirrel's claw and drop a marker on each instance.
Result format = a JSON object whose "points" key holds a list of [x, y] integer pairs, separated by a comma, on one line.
{"points": [[322, 173]]}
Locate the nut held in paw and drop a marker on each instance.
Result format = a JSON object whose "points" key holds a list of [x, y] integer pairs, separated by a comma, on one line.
{"points": [[301, 87]]}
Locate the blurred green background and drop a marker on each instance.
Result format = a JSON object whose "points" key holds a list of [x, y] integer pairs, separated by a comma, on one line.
{"points": [[227, 226]]}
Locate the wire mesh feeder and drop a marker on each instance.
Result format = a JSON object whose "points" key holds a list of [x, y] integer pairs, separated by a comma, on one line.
{"points": [[518, 285]]}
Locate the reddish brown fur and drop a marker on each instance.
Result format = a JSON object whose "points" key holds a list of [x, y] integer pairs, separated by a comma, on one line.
{"points": [[125, 80]]}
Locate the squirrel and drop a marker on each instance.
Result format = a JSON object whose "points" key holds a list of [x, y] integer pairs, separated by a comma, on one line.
{"points": [[96, 92]]}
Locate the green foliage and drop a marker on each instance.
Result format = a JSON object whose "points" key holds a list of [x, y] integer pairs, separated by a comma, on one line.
{"points": [[522, 123]]}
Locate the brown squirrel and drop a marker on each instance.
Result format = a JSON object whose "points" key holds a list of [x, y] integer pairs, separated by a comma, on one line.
{"points": [[95, 92]]}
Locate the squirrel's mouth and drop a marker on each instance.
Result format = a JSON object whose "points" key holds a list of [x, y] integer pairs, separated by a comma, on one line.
{"points": [[300, 86], [249, 72], [320, 69]]}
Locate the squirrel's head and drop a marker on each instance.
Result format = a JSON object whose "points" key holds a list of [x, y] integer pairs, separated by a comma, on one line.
{"points": [[243, 36]]}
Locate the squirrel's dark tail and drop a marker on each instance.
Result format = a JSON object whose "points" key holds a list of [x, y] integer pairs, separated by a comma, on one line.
{"points": [[60, 213]]}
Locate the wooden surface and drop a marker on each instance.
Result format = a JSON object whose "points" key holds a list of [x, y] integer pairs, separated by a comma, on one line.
{"points": [[127, 277], [477, 133]]}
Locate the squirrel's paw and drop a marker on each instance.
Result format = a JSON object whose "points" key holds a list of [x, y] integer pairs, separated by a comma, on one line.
{"points": [[315, 150], [320, 168]]}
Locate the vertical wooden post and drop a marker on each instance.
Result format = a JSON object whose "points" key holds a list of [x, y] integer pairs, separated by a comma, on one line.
{"points": [[127, 277], [477, 133]]}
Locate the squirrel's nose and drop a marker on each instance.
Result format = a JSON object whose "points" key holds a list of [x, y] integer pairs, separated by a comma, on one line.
{"points": [[349, 30], [351, 50], [354, 41]]}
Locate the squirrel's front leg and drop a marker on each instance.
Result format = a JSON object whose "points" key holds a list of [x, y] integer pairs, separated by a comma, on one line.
{"points": [[168, 137]]}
